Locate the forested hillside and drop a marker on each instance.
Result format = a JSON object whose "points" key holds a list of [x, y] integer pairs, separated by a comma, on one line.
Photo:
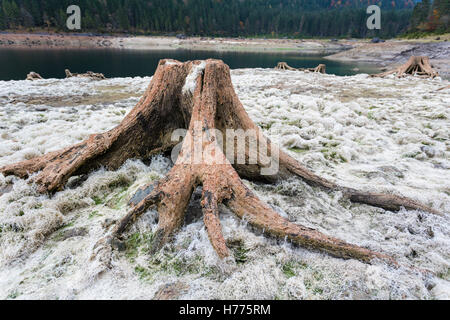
{"points": [[299, 18], [431, 16]]}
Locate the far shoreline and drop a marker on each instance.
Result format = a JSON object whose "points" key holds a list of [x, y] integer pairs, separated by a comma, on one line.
{"points": [[381, 55], [87, 41]]}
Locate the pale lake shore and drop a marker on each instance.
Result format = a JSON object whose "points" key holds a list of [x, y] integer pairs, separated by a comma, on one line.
{"points": [[383, 55], [379, 135]]}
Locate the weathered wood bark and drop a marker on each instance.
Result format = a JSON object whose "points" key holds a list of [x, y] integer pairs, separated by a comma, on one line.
{"points": [[321, 68], [416, 65], [199, 96]]}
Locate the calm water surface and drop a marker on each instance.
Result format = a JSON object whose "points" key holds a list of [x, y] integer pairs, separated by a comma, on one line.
{"points": [[16, 63]]}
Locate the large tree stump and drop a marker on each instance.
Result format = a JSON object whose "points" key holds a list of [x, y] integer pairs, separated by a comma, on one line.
{"points": [[199, 96], [416, 66]]}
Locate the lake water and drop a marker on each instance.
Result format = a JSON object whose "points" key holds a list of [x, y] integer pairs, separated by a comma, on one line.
{"points": [[16, 63]]}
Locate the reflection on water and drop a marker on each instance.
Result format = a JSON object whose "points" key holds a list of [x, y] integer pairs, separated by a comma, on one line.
{"points": [[16, 63]]}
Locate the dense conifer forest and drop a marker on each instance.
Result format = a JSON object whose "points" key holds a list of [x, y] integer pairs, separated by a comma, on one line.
{"points": [[293, 18]]}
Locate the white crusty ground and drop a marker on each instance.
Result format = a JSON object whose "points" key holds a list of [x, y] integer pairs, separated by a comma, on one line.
{"points": [[382, 135]]}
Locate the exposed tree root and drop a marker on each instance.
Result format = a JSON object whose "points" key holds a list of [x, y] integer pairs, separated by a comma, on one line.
{"points": [[443, 88], [199, 96], [321, 68], [385, 201], [416, 66]]}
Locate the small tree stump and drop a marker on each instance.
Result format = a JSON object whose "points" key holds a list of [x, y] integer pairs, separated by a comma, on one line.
{"points": [[321, 68], [33, 76], [416, 66], [89, 74], [284, 66]]}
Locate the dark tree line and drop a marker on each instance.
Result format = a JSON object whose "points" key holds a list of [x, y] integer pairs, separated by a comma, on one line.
{"points": [[298, 18]]}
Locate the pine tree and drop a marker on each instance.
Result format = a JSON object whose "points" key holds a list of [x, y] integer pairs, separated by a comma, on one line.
{"points": [[420, 14], [11, 13], [2, 19]]}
